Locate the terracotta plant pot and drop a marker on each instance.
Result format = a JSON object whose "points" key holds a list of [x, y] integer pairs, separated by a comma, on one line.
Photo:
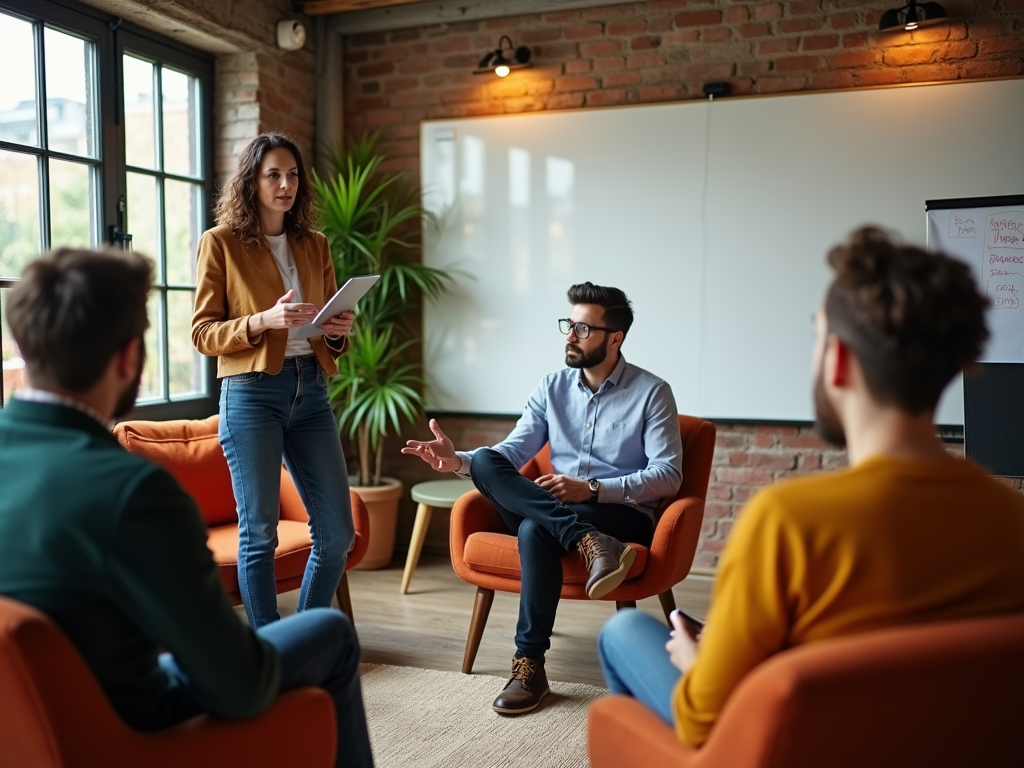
{"points": [[382, 503]]}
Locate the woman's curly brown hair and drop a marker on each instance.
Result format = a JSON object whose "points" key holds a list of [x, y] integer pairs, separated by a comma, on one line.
{"points": [[238, 206], [913, 318]]}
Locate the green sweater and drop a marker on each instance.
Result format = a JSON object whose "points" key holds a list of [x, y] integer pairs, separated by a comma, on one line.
{"points": [[114, 551]]}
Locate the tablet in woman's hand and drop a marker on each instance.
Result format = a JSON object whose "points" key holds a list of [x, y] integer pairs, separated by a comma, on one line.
{"points": [[345, 299]]}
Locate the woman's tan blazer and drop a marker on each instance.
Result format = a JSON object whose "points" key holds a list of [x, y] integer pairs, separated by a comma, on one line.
{"points": [[235, 281]]}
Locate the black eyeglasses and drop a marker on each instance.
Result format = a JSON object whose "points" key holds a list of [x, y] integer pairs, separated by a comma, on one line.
{"points": [[582, 330]]}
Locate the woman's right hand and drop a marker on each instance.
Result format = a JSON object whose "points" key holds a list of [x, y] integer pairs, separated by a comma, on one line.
{"points": [[283, 314]]}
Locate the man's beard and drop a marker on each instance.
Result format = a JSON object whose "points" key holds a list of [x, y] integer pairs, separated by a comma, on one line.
{"points": [[585, 360], [826, 420], [127, 400]]}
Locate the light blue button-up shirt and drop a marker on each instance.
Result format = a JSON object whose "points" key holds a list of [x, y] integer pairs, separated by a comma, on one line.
{"points": [[626, 434]]}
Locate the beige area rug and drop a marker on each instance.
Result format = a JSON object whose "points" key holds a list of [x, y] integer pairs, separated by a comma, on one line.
{"points": [[422, 718]]}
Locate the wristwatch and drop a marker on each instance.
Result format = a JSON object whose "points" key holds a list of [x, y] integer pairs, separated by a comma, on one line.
{"points": [[595, 489]]}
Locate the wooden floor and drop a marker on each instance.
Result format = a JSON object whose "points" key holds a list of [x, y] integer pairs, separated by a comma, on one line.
{"points": [[427, 627]]}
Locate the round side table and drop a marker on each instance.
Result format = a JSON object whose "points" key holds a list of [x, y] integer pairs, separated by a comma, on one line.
{"points": [[431, 495]]}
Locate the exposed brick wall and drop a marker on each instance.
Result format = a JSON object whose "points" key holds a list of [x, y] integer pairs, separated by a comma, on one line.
{"points": [[262, 90], [645, 52], [662, 50]]}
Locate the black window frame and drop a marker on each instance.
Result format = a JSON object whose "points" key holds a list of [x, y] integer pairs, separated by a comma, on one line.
{"points": [[114, 37]]}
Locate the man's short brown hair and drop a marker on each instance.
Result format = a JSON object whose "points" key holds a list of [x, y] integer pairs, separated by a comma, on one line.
{"points": [[913, 318], [73, 309]]}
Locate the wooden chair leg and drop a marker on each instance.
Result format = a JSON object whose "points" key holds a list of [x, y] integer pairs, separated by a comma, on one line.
{"points": [[620, 604], [481, 610], [344, 598], [419, 534], [668, 603]]}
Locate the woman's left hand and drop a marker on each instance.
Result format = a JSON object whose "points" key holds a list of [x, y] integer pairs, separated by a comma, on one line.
{"points": [[340, 325]]}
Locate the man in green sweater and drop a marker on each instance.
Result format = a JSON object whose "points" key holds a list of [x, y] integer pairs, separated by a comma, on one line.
{"points": [[108, 544]]}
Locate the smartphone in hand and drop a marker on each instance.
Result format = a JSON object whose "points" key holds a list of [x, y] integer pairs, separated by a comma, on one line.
{"points": [[692, 626]]}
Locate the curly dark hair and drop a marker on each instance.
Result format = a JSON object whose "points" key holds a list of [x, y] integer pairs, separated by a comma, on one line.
{"points": [[913, 318], [238, 207], [618, 311]]}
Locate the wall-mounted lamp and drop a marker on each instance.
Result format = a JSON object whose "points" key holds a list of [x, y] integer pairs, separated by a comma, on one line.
{"points": [[911, 16], [503, 59]]}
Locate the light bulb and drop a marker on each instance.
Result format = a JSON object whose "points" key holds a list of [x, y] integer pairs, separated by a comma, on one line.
{"points": [[501, 70], [910, 26]]}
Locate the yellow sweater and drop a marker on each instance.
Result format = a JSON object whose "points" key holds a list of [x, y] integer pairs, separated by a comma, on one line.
{"points": [[885, 543]]}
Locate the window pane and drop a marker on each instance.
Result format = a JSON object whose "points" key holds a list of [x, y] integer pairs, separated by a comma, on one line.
{"points": [[139, 111], [182, 223], [184, 364], [70, 94], [153, 374], [180, 93], [72, 205], [13, 365], [19, 212], [142, 216], [18, 119]]}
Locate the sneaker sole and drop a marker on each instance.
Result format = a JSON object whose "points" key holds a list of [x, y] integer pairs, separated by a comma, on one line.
{"points": [[522, 711], [602, 587]]}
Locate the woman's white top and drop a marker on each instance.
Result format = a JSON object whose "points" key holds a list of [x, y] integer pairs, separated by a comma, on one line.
{"points": [[290, 276]]}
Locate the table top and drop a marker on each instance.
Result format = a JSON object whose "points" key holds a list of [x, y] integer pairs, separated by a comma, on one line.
{"points": [[440, 493]]}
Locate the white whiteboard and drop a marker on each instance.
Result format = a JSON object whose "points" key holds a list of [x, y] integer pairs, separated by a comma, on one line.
{"points": [[990, 239], [714, 218]]}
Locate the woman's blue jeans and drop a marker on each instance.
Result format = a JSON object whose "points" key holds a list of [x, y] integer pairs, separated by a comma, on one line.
{"points": [[266, 417], [631, 647], [318, 649]]}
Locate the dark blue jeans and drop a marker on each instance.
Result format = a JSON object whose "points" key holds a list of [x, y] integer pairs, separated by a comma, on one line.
{"points": [[546, 529], [318, 648], [262, 418]]}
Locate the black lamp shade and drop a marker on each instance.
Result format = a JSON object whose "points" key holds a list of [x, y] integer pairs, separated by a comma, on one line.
{"points": [[913, 13], [492, 60]]}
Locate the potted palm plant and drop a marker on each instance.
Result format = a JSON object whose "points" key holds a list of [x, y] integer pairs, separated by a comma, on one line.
{"points": [[373, 220]]}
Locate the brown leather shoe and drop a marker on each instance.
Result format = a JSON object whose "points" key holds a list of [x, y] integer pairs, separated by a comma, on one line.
{"points": [[608, 561], [523, 692]]}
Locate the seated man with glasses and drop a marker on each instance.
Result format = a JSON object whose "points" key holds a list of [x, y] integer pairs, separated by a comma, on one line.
{"points": [[616, 452]]}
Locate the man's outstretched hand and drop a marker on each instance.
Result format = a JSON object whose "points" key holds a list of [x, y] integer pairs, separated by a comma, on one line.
{"points": [[439, 453]]}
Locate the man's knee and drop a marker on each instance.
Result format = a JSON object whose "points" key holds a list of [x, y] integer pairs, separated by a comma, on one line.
{"points": [[534, 537], [330, 627], [485, 462]]}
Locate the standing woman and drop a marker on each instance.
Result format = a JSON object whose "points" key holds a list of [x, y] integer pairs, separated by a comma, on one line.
{"points": [[264, 271]]}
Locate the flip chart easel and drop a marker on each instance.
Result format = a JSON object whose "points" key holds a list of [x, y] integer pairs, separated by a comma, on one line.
{"points": [[988, 234]]}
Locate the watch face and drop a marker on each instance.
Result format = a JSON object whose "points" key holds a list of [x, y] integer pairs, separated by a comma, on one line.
{"points": [[594, 486]]}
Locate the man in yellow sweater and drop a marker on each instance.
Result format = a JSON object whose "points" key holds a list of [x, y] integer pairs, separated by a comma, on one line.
{"points": [[907, 534]]}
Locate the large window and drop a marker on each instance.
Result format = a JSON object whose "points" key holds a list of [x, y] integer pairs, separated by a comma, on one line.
{"points": [[104, 139]]}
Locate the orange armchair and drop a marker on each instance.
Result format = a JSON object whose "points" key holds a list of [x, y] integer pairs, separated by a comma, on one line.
{"points": [[944, 695], [487, 556], [57, 716], [190, 451]]}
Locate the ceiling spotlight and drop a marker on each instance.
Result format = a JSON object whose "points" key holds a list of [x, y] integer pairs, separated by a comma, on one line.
{"points": [[912, 16], [503, 59]]}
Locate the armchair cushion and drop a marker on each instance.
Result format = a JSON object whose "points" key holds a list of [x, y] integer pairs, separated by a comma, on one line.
{"points": [[293, 548], [190, 451], [498, 553]]}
